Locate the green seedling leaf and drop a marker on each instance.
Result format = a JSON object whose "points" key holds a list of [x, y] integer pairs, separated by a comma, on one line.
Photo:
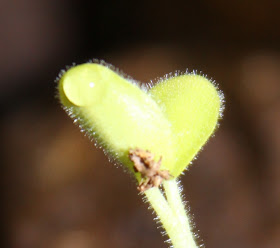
{"points": [[115, 112], [192, 105], [172, 120]]}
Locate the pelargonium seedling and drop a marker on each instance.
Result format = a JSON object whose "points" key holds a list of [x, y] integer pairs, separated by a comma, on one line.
{"points": [[154, 132]]}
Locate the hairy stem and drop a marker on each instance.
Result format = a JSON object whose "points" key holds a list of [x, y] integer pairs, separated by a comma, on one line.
{"points": [[172, 214], [174, 199]]}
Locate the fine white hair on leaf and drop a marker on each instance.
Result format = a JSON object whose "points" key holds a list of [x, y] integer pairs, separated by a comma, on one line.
{"points": [[168, 241], [156, 218], [116, 70], [145, 87], [100, 62], [158, 222]]}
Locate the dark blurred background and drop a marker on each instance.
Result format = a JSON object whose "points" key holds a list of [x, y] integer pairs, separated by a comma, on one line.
{"points": [[59, 191]]}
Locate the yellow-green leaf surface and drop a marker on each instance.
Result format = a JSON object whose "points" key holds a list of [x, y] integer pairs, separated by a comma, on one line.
{"points": [[192, 105], [173, 120], [116, 112]]}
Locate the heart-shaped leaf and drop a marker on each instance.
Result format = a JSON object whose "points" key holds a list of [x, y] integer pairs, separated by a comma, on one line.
{"points": [[173, 120], [192, 105]]}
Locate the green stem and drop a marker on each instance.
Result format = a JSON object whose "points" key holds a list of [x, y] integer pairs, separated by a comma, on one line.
{"points": [[172, 214], [172, 192]]}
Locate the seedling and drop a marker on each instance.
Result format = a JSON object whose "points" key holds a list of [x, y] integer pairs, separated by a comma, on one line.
{"points": [[154, 132]]}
